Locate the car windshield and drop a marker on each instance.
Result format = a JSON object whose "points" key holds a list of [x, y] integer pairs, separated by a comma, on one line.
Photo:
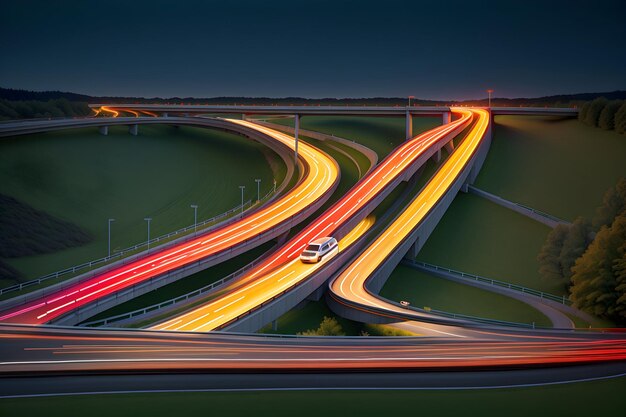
{"points": [[313, 248]]}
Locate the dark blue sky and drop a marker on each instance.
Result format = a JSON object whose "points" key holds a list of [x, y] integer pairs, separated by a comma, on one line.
{"points": [[436, 49]]}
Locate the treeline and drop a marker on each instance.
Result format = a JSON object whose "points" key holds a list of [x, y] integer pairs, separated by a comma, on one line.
{"points": [[33, 109], [589, 257], [563, 100], [605, 114]]}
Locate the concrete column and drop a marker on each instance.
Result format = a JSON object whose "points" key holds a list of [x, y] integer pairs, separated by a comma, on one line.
{"points": [[450, 146], [133, 129], [164, 114], [104, 130], [296, 133], [437, 156], [274, 325], [243, 116], [413, 250], [446, 117], [409, 125]]}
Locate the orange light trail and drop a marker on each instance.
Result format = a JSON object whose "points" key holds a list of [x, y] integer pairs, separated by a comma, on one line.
{"points": [[350, 284], [283, 270]]}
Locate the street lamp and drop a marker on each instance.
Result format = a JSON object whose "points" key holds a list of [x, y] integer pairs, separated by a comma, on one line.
{"points": [[258, 189], [195, 217], [148, 219], [110, 221], [242, 187], [489, 91], [274, 185], [410, 97]]}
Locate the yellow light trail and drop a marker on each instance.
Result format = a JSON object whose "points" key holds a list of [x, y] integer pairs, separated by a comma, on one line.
{"points": [[115, 113], [350, 284], [224, 309]]}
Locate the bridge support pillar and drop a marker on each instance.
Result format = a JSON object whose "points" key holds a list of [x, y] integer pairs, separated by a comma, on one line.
{"points": [[104, 130], [409, 125], [274, 325], [296, 133], [413, 250], [164, 114], [449, 146], [446, 118], [437, 157], [243, 116], [133, 129]]}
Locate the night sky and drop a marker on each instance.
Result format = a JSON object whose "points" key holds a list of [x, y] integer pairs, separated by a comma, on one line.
{"points": [[435, 49]]}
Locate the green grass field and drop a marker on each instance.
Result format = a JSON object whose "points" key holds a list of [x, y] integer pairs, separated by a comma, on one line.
{"points": [[559, 166], [480, 237], [424, 290], [381, 134], [309, 316], [85, 178], [584, 399]]}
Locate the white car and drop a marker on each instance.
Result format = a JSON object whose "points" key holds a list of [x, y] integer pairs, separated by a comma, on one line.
{"points": [[322, 248]]}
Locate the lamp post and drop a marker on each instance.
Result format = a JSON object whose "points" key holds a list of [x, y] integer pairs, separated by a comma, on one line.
{"points": [[489, 92], [148, 219], [242, 187], [195, 217], [258, 189], [274, 185], [410, 97], [110, 221]]}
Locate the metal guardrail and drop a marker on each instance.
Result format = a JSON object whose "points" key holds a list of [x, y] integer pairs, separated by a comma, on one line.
{"points": [[120, 254], [171, 301], [563, 300], [484, 193], [472, 318]]}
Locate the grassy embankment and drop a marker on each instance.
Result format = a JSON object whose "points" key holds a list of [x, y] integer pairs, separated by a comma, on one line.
{"points": [[81, 177], [603, 397]]}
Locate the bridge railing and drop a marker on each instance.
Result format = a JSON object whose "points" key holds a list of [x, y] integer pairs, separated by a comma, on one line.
{"points": [[563, 300], [132, 249], [488, 195], [171, 301]]}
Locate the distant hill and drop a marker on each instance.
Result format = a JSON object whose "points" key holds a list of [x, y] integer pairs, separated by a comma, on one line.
{"points": [[562, 99]]}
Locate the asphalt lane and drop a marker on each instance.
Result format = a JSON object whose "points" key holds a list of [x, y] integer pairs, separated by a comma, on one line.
{"points": [[99, 384]]}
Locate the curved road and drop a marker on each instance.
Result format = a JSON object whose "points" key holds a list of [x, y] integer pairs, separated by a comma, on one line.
{"points": [[319, 179], [282, 268]]}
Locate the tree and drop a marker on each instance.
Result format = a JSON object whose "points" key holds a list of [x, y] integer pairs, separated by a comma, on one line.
{"points": [[563, 246], [550, 267], [328, 327], [620, 120], [598, 285], [619, 269], [613, 203], [584, 109], [595, 108], [579, 236], [606, 120]]}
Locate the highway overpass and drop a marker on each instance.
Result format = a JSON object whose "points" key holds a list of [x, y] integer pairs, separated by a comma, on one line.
{"points": [[298, 111]]}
